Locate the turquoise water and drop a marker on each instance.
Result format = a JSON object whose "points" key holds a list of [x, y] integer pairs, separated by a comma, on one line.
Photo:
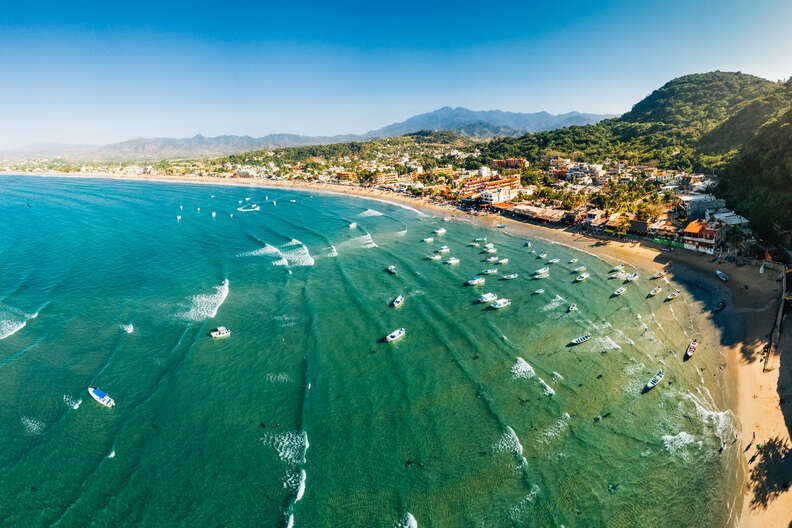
{"points": [[303, 416]]}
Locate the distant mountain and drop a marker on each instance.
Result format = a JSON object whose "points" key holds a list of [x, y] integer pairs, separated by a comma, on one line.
{"points": [[473, 124]]}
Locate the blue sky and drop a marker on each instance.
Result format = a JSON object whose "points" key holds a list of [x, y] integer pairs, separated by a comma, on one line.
{"points": [[95, 72]]}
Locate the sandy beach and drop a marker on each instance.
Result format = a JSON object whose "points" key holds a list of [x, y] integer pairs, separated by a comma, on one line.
{"points": [[757, 393]]}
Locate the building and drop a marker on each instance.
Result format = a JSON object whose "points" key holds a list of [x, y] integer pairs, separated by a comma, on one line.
{"points": [[499, 195], [443, 171], [694, 206], [511, 163], [593, 216], [703, 236], [389, 178]]}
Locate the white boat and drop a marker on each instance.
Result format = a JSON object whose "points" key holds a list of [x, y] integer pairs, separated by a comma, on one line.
{"points": [[572, 307], [510, 276], [541, 275], [572, 261], [480, 239], [441, 231], [652, 383], [553, 261], [503, 261], [581, 339], [655, 291], [474, 244], [542, 270], [220, 331], [542, 255], [540, 291], [392, 269], [580, 269], [491, 250], [691, 349], [527, 243], [581, 277], [620, 291], [618, 267], [632, 277], [489, 245], [428, 240], [443, 249], [434, 257], [722, 276], [452, 260], [476, 281], [491, 259], [500, 303], [178, 218], [533, 251], [659, 274], [617, 275], [489, 271], [398, 301], [673, 295], [487, 298], [214, 214], [100, 396], [396, 334], [353, 225]]}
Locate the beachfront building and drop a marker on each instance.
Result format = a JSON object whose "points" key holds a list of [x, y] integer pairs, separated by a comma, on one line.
{"points": [[703, 236], [695, 206], [499, 194], [390, 178]]}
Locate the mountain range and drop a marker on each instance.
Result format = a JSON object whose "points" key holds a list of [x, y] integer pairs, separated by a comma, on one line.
{"points": [[475, 124]]}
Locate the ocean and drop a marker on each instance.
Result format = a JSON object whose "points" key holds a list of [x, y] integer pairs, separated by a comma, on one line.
{"points": [[304, 417]]}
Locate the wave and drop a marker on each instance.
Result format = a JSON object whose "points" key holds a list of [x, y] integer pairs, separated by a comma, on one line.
{"points": [[128, 328], [518, 511], [365, 241], [296, 254], [547, 389], [111, 454], [206, 306], [370, 212], [13, 320], [32, 425], [267, 250], [509, 442], [408, 521], [555, 429], [522, 370], [555, 303], [291, 446], [301, 486], [333, 252], [607, 343], [676, 444]]}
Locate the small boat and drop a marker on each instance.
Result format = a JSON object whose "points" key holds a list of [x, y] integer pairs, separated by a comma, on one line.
{"points": [[434, 257], [220, 331], [178, 218], [443, 249], [632, 277], [541, 275], [527, 243], [542, 270], [428, 240], [501, 226], [580, 269], [655, 291], [441, 231], [652, 383], [617, 275], [572, 307], [533, 251], [673, 295], [353, 225], [659, 274], [620, 291], [476, 281], [392, 269], [214, 214], [487, 298], [452, 260], [480, 239], [491, 250], [510, 276], [618, 267], [540, 291], [553, 261], [100, 396], [396, 334], [491, 259], [398, 301], [474, 244], [581, 339], [691, 349], [581, 277], [489, 271], [489, 245], [722, 276], [542, 255], [503, 261], [500, 303], [573, 261]]}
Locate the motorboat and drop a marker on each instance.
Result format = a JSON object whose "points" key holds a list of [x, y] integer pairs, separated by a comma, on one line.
{"points": [[489, 271], [582, 277], [542, 255], [487, 298], [353, 225], [493, 258], [443, 249], [527, 243], [491, 250], [580, 269], [572, 307], [541, 275], [428, 240], [691, 349], [220, 331], [540, 291], [510, 276], [480, 239], [659, 274], [620, 291], [657, 378], [392, 269], [573, 261], [503, 261], [100, 396], [441, 231], [452, 260], [474, 244], [632, 277], [553, 261], [500, 303], [673, 295], [396, 334], [398, 301], [475, 281], [618, 267], [581, 339], [655, 291], [501, 226], [434, 257], [542, 270], [722, 276]]}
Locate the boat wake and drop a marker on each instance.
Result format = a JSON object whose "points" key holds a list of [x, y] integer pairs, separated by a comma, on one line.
{"points": [[296, 254], [206, 306], [32, 425], [555, 303], [408, 521], [71, 402], [128, 328]]}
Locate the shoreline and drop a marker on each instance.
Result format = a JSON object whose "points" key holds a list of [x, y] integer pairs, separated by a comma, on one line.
{"points": [[744, 325]]}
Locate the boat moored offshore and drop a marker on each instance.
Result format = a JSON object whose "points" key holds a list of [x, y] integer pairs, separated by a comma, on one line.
{"points": [[487, 298], [100, 396], [657, 378], [581, 339], [620, 291], [452, 260], [476, 281], [220, 331], [392, 269], [489, 271], [582, 277], [655, 291], [510, 276], [398, 301], [396, 334], [691, 349], [500, 303]]}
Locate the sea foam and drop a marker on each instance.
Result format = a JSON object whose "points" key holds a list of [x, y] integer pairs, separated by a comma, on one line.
{"points": [[291, 446], [408, 521], [13, 320], [522, 369], [370, 212], [205, 306], [296, 254]]}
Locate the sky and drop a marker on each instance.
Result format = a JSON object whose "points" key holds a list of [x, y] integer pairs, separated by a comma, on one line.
{"points": [[85, 72]]}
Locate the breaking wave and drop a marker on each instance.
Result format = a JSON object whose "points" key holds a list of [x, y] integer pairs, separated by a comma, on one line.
{"points": [[32, 425], [408, 521], [522, 370], [555, 303], [291, 446], [370, 212], [295, 253], [205, 306]]}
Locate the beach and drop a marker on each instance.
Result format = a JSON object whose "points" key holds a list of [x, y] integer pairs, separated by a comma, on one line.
{"points": [[744, 326]]}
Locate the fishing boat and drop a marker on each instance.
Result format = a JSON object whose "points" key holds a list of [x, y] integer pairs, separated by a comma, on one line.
{"points": [[659, 274], [632, 277], [500, 303], [443, 249], [220, 331], [691, 349], [493, 258], [572, 307], [396, 334], [491, 250], [541, 275], [553, 261], [510, 276], [573, 261], [620, 291], [392, 269], [580, 269], [540, 291], [489, 271], [452, 260], [527, 243], [100, 396], [673, 295], [655, 291], [542, 255], [542, 270], [476, 281], [489, 245], [441, 231], [618, 267], [581, 339], [503, 261], [487, 298], [581, 277], [398, 301], [434, 257], [428, 240], [657, 378], [722, 276]]}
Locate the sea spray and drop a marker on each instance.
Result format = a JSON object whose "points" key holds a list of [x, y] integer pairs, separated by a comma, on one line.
{"points": [[205, 306], [408, 521]]}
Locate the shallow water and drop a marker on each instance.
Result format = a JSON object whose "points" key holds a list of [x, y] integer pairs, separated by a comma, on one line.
{"points": [[302, 416]]}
